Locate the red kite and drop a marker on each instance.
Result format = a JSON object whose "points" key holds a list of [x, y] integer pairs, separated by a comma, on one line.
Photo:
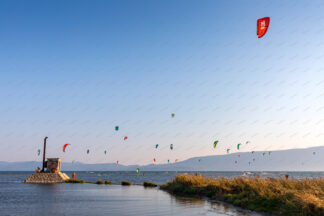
{"points": [[125, 138], [262, 26], [65, 145]]}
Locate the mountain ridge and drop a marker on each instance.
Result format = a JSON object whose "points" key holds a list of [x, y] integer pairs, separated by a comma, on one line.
{"points": [[307, 159]]}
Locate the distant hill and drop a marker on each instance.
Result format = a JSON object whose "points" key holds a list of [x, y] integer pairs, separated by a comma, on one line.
{"points": [[309, 159]]}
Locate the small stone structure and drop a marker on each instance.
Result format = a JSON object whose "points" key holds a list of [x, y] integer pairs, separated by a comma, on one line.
{"points": [[47, 178], [51, 175]]}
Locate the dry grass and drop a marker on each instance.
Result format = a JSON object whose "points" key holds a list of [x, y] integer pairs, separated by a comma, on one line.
{"points": [[149, 184], [74, 181], [274, 195], [125, 183], [99, 182], [107, 182]]}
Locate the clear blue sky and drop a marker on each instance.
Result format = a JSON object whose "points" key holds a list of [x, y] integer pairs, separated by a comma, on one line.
{"points": [[72, 70]]}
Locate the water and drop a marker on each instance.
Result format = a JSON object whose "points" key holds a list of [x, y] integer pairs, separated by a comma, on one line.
{"points": [[157, 177], [17, 198]]}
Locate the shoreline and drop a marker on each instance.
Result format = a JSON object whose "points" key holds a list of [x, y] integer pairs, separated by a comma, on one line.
{"points": [[265, 196], [254, 194], [152, 185]]}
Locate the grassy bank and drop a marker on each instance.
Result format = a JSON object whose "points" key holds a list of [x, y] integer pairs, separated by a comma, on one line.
{"points": [[149, 184], [273, 195], [101, 182], [74, 181]]}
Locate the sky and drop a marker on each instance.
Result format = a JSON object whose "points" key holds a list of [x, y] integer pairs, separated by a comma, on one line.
{"points": [[73, 70]]}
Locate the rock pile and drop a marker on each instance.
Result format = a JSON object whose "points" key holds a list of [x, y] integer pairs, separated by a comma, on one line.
{"points": [[47, 178]]}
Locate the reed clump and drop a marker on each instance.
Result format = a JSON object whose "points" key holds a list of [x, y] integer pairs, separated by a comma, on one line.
{"points": [[149, 184], [278, 196], [125, 183], [99, 182], [107, 182], [74, 181]]}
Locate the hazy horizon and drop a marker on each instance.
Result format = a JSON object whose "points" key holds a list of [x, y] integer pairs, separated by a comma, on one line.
{"points": [[293, 160]]}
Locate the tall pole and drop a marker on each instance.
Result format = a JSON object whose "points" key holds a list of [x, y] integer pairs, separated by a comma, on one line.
{"points": [[44, 153]]}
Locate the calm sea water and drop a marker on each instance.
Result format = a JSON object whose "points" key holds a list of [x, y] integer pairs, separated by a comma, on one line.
{"points": [[17, 198]]}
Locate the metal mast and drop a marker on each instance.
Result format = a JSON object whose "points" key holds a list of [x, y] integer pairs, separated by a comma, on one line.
{"points": [[44, 153]]}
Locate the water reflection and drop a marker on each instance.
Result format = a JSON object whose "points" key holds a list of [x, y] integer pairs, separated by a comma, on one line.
{"points": [[188, 202], [209, 207]]}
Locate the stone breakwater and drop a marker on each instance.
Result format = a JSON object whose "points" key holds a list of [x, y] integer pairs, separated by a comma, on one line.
{"points": [[47, 178]]}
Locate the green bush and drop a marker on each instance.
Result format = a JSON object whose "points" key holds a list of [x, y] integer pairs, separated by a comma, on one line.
{"points": [[99, 182], [107, 182], [74, 181], [150, 184], [125, 183]]}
